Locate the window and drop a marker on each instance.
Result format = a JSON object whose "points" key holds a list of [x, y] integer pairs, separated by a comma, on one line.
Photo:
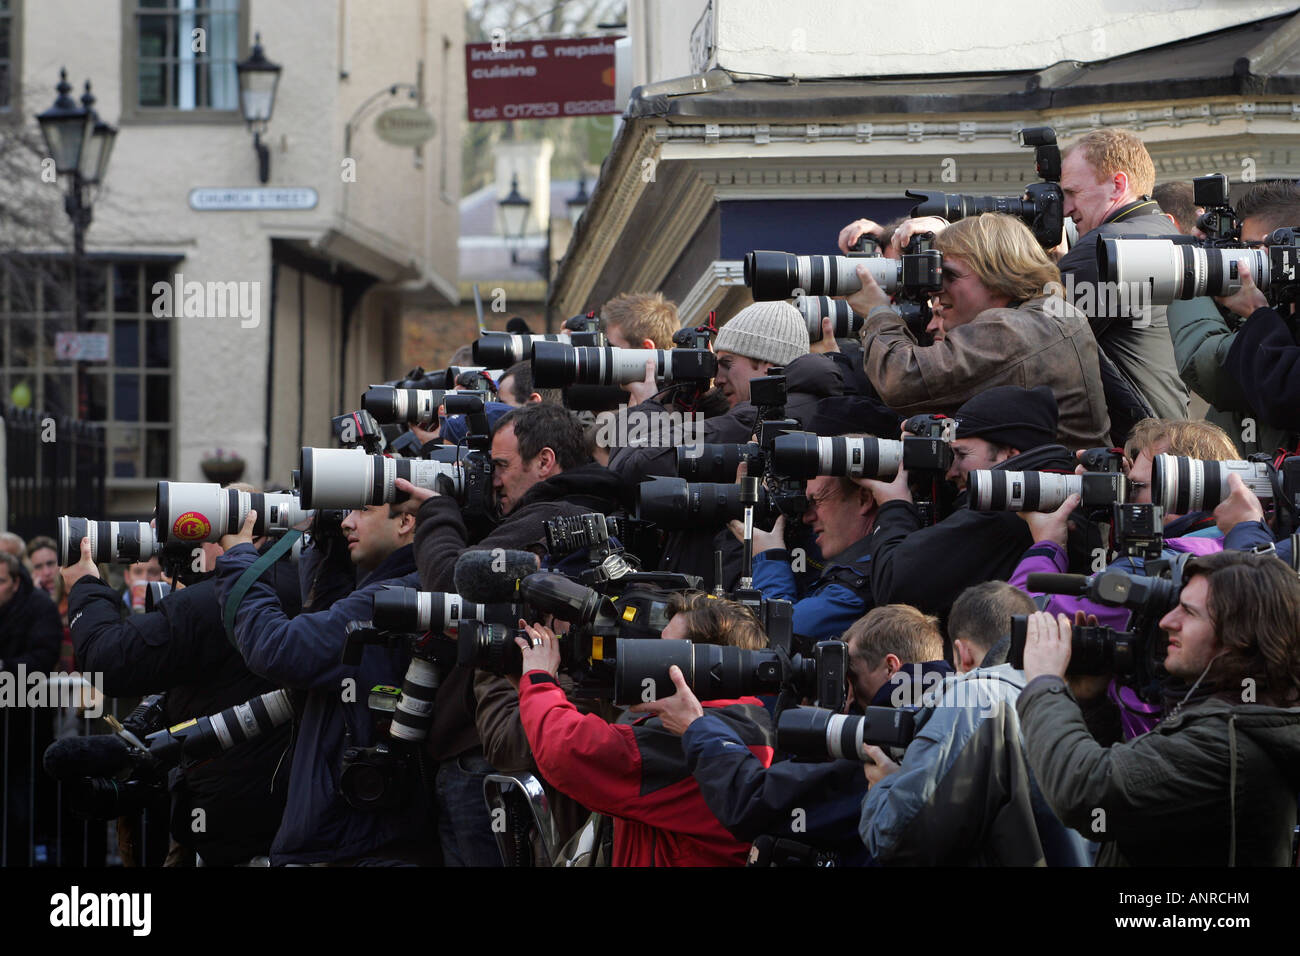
{"points": [[127, 385], [9, 71], [179, 57]]}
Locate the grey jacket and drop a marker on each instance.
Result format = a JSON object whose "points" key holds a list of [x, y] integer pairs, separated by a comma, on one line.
{"points": [[1045, 341], [1141, 348], [1213, 785], [964, 794]]}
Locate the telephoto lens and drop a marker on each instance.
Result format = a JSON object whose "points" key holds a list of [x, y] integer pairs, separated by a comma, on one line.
{"points": [[501, 350], [954, 206], [676, 504], [713, 462], [1183, 485], [408, 610], [349, 478], [814, 733], [490, 647], [154, 592], [844, 321], [776, 275], [210, 735], [408, 406], [1178, 268], [556, 365], [805, 455], [1020, 490], [193, 511], [414, 714], [712, 671], [111, 542]]}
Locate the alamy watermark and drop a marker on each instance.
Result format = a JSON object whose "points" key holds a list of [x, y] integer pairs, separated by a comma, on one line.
{"points": [[635, 428], [179, 299], [18, 688], [1116, 300]]}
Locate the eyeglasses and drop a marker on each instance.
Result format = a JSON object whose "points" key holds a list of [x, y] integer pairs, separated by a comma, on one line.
{"points": [[816, 501]]}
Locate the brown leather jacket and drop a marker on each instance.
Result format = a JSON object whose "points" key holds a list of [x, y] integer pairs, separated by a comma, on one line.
{"points": [[1045, 341]]}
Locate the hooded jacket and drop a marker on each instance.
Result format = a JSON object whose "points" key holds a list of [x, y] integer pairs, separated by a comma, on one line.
{"points": [[964, 794], [1044, 341], [305, 653], [1213, 785], [638, 774], [441, 538], [929, 567]]}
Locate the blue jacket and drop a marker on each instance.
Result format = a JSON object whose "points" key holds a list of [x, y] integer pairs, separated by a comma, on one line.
{"points": [[1249, 535], [964, 794], [305, 653], [840, 596], [814, 803]]}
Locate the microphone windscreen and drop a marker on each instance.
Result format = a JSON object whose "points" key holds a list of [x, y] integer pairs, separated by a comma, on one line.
{"points": [[99, 756], [517, 326], [490, 576]]}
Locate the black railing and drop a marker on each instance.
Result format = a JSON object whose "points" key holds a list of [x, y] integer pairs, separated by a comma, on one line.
{"points": [[54, 465]]}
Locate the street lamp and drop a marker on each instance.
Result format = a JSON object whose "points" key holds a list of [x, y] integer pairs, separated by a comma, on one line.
{"points": [[258, 79], [578, 203], [514, 217], [80, 145]]}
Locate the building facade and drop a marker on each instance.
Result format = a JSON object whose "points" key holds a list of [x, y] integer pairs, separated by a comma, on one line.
{"points": [[349, 233]]}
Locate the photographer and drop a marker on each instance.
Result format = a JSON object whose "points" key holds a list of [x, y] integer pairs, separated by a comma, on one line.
{"points": [[639, 320], [181, 649], [841, 515], [1256, 380], [964, 795], [1002, 325], [1215, 782], [305, 653], [637, 772], [516, 387], [1194, 533], [1106, 177], [752, 800], [540, 471], [1005, 429]]}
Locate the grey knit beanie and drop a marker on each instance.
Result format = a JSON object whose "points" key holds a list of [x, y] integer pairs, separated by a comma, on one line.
{"points": [[767, 332]]}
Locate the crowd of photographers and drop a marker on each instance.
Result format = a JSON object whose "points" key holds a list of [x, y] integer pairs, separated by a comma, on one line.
{"points": [[916, 560]]}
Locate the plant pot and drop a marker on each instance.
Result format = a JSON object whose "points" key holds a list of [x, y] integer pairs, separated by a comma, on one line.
{"points": [[223, 472]]}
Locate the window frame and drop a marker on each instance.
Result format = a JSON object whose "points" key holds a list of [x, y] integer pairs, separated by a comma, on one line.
{"points": [[13, 113], [133, 114]]}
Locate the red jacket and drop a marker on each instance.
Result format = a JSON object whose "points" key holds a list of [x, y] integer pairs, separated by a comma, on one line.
{"points": [[637, 774]]}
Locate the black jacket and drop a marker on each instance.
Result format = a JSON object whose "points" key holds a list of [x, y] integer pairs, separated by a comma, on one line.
{"points": [[1142, 352], [441, 538], [1265, 361], [809, 378], [182, 648], [929, 567], [30, 630]]}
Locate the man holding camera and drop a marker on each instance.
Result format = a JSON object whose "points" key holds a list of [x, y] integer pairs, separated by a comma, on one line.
{"points": [[963, 794], [181, 649], [305, 653], [1216, 781], [540, 471], [1107, 177], [1247, 372], [1003, 429]]}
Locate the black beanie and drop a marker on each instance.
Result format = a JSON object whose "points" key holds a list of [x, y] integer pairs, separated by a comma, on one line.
{"points": [[1020, 418]]}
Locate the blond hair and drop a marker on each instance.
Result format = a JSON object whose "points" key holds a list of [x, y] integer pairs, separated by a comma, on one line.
{"points": [[1003, 254], [1187, 438], [640, 316], [897, 629], [1111, 151]]}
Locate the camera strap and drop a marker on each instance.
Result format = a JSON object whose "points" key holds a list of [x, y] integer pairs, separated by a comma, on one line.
{"points": [[251, 574]]}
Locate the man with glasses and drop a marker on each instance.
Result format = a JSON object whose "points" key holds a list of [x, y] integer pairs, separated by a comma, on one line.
{"points": [[841, 515]]}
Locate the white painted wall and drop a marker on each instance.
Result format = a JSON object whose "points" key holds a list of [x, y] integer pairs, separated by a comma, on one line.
{"points": [[830, 38]]}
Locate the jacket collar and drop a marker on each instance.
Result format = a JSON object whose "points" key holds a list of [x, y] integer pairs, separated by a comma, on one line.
{"points": [[1139, 207], [398, 564]]}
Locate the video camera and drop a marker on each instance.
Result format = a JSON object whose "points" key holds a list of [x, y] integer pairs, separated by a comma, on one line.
{"points": [[1041, 208]]}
